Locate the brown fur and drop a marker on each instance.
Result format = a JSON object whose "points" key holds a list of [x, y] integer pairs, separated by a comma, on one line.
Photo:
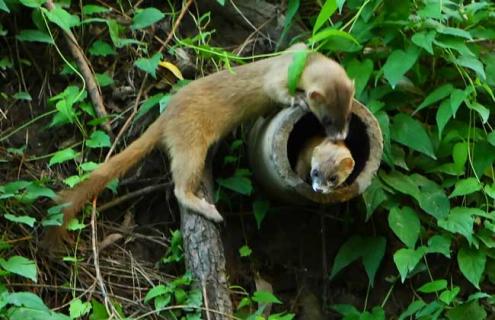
{"points": [[327, 164], [206, 110]]}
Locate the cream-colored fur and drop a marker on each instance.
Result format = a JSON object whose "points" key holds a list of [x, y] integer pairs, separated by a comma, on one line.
{"points": [[325, 162], [209, 108]]}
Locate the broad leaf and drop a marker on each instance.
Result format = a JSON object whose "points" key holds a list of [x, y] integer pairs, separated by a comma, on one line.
{"points": [[149, 65], [433, 286], [62, 18], [325, 13], [409, 132], [21, 266], [398, 63], [424, 40], [465, 187], [98, 139], [34, 36], [436, 95], [238, 184], [460, 220], [472, 264], [407, 259], [405, 224], [146, 17], [62, 156]]}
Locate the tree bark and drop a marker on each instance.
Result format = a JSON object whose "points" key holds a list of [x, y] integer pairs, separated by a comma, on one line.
{"points": [[204, 253]]}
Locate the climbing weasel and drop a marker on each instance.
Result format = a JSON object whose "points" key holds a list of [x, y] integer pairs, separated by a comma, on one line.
{"points": [[207, 109], [326, 163]]}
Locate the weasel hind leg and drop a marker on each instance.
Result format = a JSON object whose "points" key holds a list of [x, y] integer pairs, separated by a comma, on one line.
{"points": [[187, 171]]}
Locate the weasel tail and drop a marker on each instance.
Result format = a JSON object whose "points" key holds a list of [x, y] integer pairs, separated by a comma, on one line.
{"points": [[115, 167]]}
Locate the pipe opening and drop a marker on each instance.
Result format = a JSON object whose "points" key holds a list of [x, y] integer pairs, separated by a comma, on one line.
{"points": [[357, 141]]}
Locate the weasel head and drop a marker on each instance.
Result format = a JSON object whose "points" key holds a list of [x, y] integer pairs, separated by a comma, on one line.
{"points": [[331, 164], [329, 94]]}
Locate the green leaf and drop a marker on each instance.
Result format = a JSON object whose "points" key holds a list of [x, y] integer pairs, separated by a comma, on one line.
{"points": [[146, 17], [436, 95], [20, 266], [99, 311], [465, 187], [444, 113], [398, 63], [483, 155], [292, 8], [409, 132], [325, 13], [439, 244], [264, 297], [155, 292], [473, 64], [472, 309], [331, 32], [238, 184], [3, 6], [405, 224], [260, 209], [449, 295], [149, 65], [472, 264], [456, 98], [371, 249], [413, 307], [32, 3], [78, 309], [361, 72], [104, 79], [373, 253], [460, 220], [460, 155], [91, 9], [407, 259], [221, 2], [34, 36], [62, 18], [23, 95], [454, 32], [21, 219], [148, 104], [483, 111], [373, 196], [433, 286], [62, 156], [424, 40], [491, 138], [296, 69], [245, 251], [101, 48]]}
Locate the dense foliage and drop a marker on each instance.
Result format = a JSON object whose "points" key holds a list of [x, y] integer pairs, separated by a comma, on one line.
{"points": [[425, 68]]}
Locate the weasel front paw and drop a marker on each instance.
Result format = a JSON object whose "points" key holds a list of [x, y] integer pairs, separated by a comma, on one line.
{"points": [[300, 100]]}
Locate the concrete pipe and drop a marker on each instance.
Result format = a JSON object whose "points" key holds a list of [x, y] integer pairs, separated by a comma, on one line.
{"points": [[275, 142]]}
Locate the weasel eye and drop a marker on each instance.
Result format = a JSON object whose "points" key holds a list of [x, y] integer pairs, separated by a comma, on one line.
{"points": [[333, 179], [314, 173]]}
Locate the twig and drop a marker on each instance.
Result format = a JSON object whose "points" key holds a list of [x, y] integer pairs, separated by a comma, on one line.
{"points": [[176, 24], [87, 73], [131, 195], [108, 304], [205, 298]]}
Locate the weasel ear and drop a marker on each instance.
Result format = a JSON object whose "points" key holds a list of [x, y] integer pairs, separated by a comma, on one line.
{"points": [[347, 164], [315, 95]]}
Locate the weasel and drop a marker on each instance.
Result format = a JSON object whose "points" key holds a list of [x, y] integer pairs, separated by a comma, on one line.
{"points": [[326, 163], [207, 109]]}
